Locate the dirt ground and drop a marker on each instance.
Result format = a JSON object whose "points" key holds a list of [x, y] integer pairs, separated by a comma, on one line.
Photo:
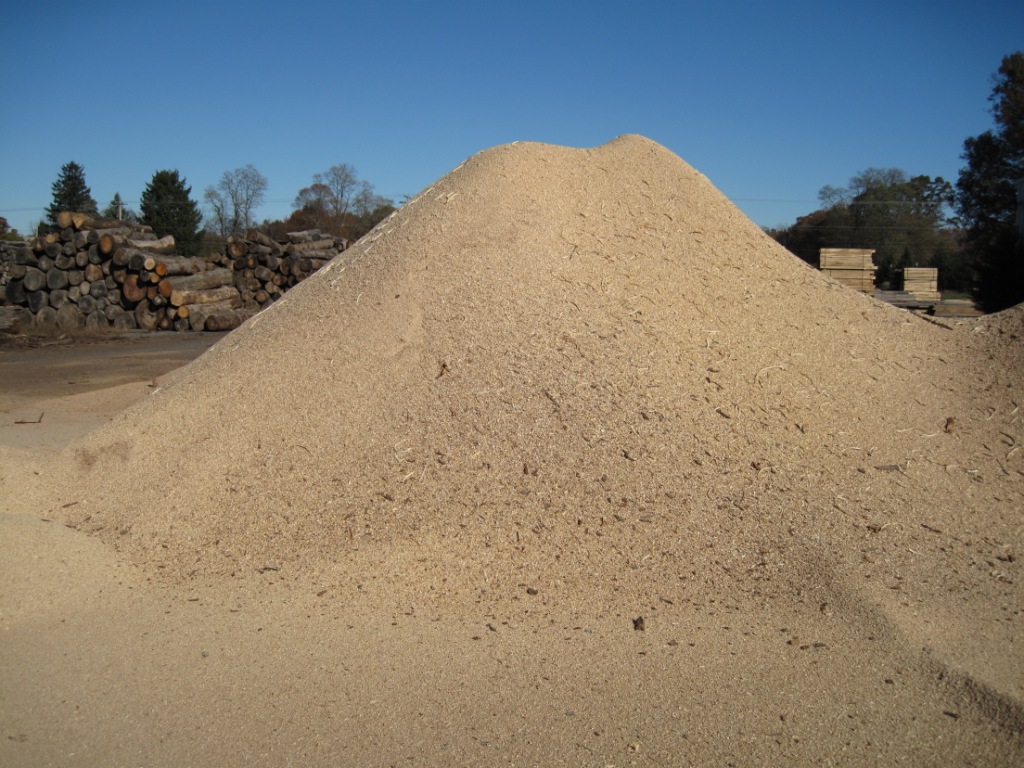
{"points": [[53, 390]]}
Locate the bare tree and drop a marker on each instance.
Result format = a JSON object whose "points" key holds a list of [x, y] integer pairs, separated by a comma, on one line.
{"points": [[342, 182], [332, 192], [233, 200]]}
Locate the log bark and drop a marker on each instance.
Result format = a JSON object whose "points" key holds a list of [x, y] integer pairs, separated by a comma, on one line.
{"points": [[85, 221], [198, 313], [305, 236], [184, 265], [214, 278], [185, 297], [326, 246], [10, 320], [227, 321], [118, 234], [164, 245]]}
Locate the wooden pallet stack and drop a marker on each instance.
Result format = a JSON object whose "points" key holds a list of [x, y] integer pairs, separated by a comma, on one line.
{"points": [[922, 282], [852, 267]]}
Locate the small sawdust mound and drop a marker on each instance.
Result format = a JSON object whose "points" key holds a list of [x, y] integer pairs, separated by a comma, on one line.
{"points": [[585, 373]]}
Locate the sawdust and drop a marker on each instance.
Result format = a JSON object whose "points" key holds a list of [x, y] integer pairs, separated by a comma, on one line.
{"points": [[582, 380]]}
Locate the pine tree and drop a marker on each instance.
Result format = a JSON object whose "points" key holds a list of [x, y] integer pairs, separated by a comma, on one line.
{"points": [[987, 196], [167, 207], [116, 209], [70, 193]]}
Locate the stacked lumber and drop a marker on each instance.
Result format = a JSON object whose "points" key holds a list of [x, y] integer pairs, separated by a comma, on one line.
{"points": [[852, 267], [922, 282], [103, 273], [266, 268]]}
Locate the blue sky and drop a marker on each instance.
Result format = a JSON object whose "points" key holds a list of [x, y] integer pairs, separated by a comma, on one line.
{"points": [[771, 101]]}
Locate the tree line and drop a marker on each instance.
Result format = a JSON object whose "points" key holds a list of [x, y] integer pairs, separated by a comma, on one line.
{"points": [[969, 231], [337, 202]]}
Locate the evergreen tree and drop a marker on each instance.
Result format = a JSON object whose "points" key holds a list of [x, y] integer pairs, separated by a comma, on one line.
{"points": [[987, 195], [116, 209], [70, 193], [168, 208]]}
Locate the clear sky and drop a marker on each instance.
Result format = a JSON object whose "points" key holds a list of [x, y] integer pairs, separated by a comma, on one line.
{"points": [[770, 100]]}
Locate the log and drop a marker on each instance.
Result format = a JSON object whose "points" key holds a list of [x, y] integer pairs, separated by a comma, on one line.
{"points": [[58, 299], [145, 319], [117, 234], [86, 303], [132, 291], [325, 246], [10, 320], [124, 321], [36, 300], [93, 272], [14, 292], [56, 278], [213, 278], [64, 219], [25, 256], [164, 245], [227, 321], [85, 221], [183, 265], [96, 320], [34, 280], [237, 249], [108, 243], [304, 237], [198, 313], [69, 316], [184, 297], [45, 317], [262, 239]]}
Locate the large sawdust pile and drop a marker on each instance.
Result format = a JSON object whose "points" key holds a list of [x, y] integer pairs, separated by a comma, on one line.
{"points": [[581, 372]]}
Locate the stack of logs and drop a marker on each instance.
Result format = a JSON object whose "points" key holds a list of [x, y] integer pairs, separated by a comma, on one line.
{"points": [[265, 268], [108, 273], [102, 273]]}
